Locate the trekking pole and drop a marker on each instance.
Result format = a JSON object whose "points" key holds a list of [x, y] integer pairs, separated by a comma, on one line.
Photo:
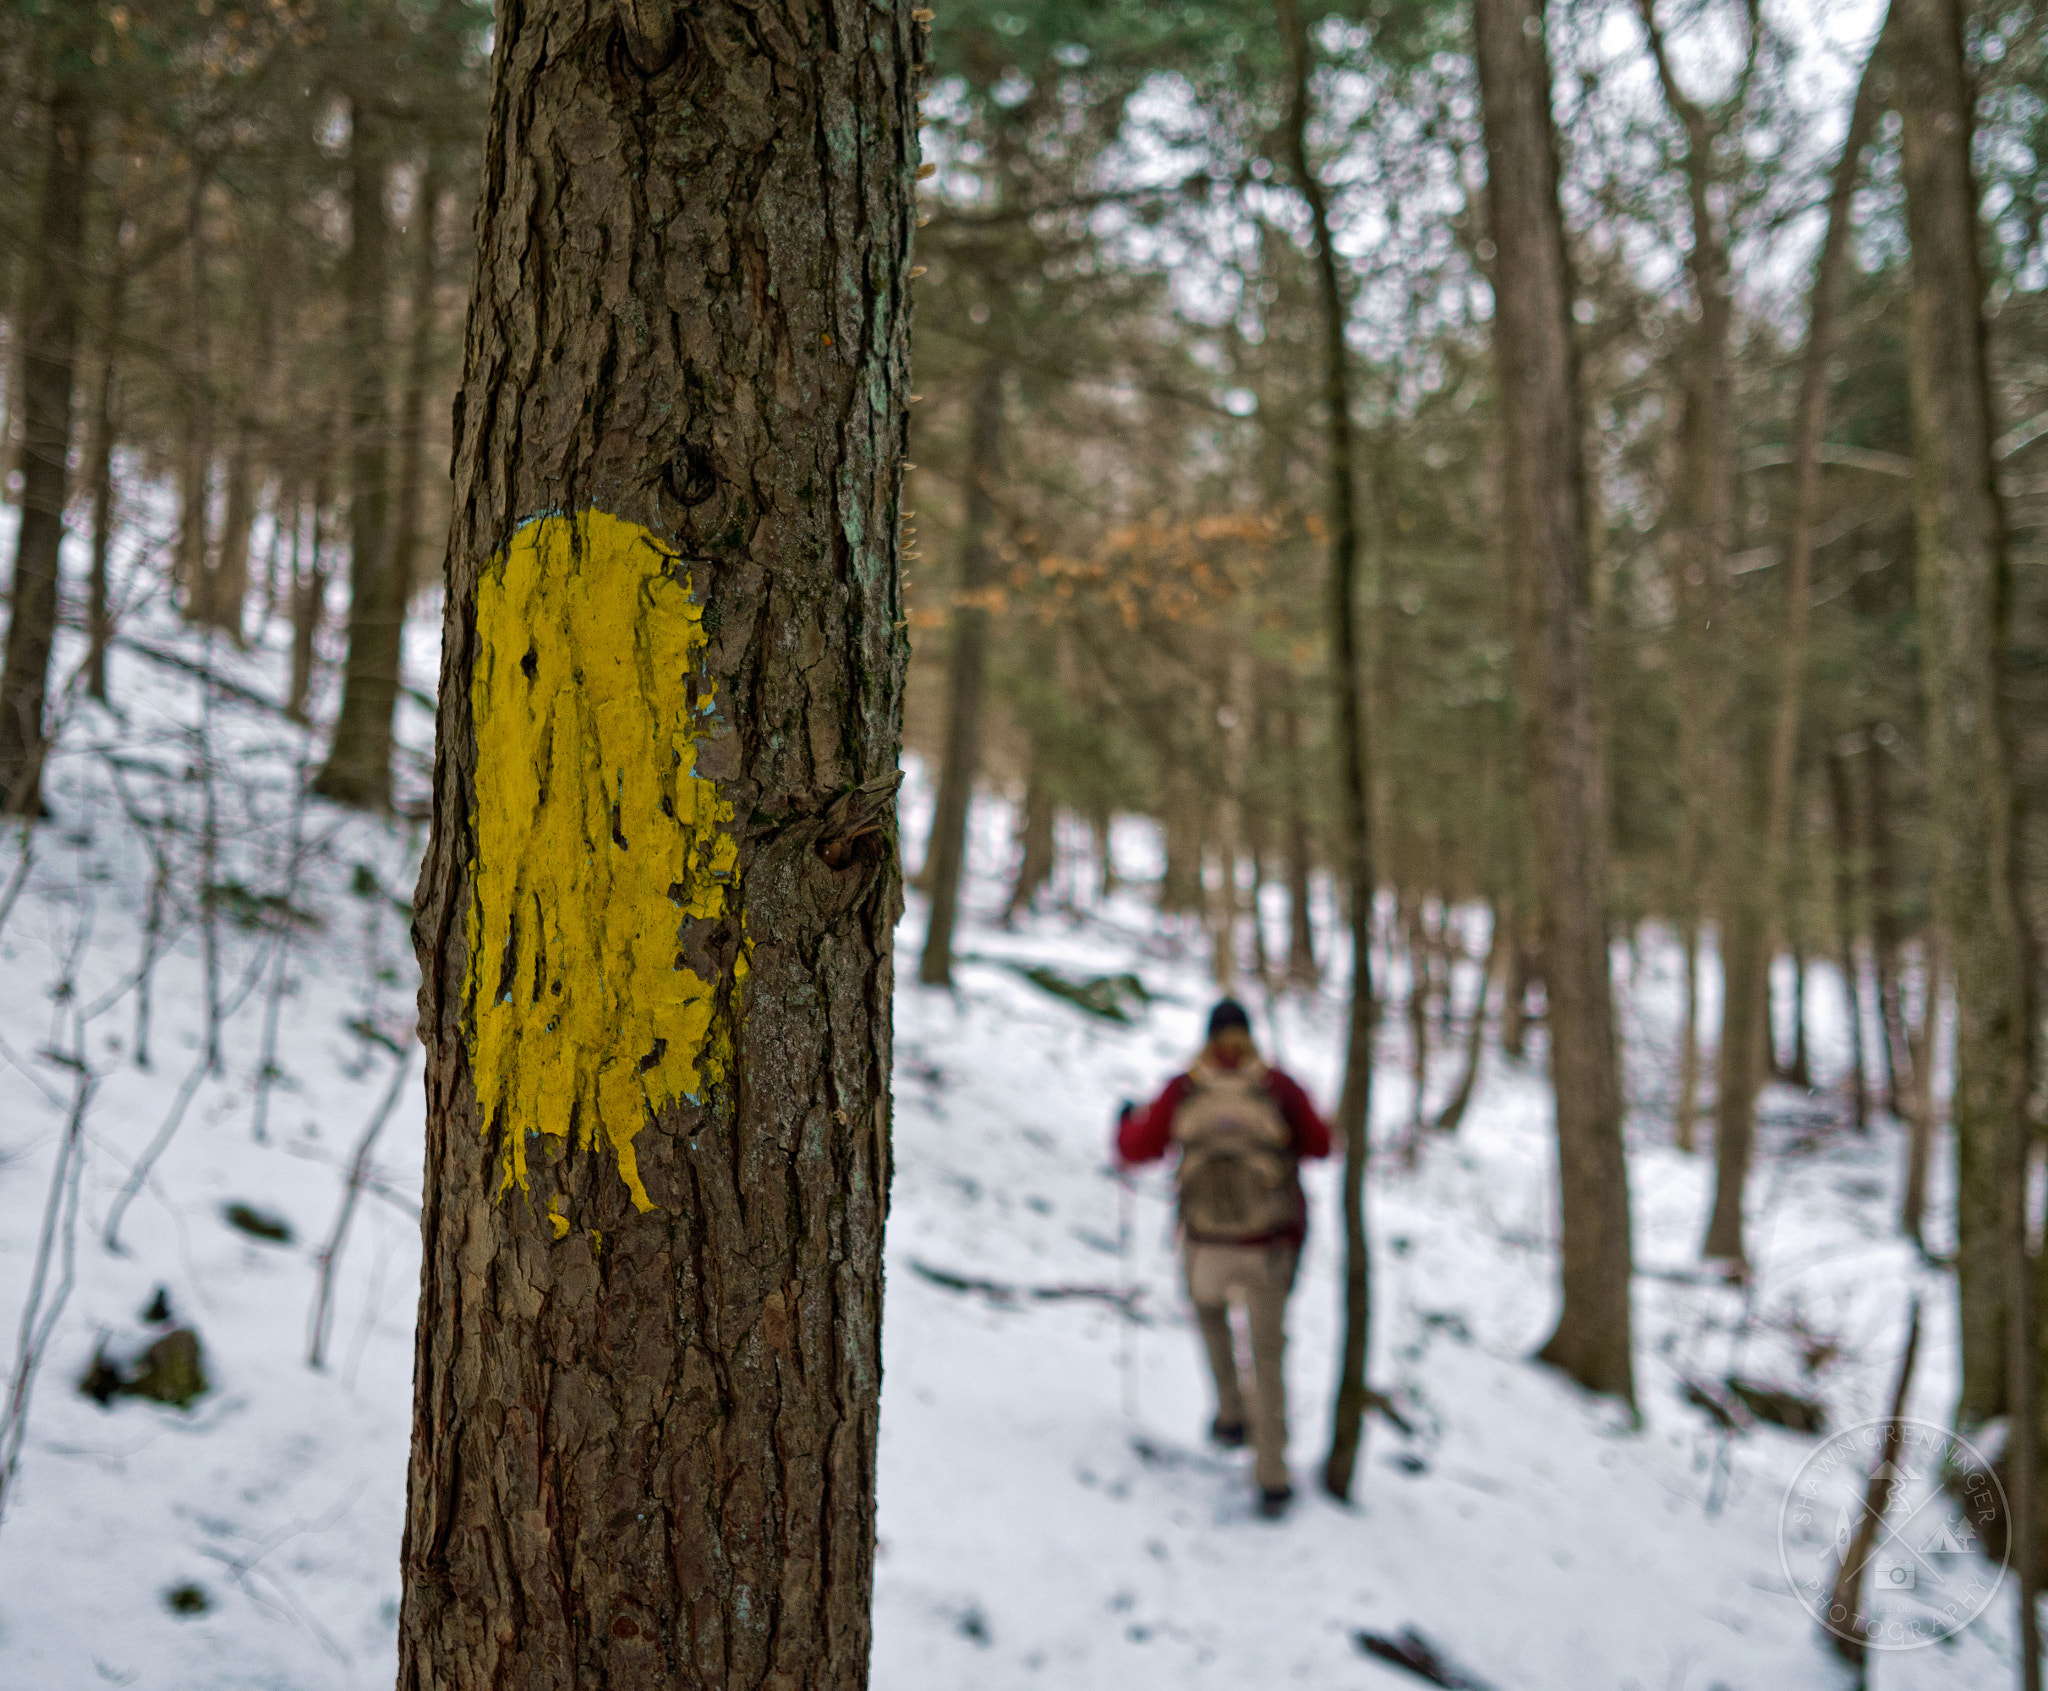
{"points": [[1127, 1344]]}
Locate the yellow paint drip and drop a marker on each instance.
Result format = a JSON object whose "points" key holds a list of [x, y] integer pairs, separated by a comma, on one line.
{"points": [[596, 842]]}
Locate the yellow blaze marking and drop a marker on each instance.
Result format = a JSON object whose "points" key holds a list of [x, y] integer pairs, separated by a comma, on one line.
{"points": [[596, 843]]}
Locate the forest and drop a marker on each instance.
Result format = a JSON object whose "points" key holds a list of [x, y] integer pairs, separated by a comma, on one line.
{"points": [[663, 660]]}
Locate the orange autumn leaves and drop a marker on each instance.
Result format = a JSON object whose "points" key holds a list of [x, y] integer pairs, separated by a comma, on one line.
{"points": [[1158, 569]]}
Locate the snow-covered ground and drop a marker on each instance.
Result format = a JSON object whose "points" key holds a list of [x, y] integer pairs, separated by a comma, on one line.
{"points": [[1049, 1515]]}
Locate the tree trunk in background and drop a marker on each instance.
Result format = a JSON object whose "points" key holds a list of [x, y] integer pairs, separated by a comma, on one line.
{"points": [[407, 514], [945, 858], [1545, 512], [1453, 1114], [1409, 918], [1514, 1005], [648, 1358], [1686, 1113], [1302, 969], [1347, 679], [1035, 864], [49, 335], [99, 469], [1180, 886], [1964, 590], [1842, 813], [1887, 937], [1920, 1107], [227, 587], [1703, 515], [1754, 886], [1226, 813], [358, 767], [309, 608], [1800, 1071], [195, 416]]}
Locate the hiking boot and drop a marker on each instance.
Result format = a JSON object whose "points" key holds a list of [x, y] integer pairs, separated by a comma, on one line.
{"points": [[1273, 1501], [1228, 1434]]}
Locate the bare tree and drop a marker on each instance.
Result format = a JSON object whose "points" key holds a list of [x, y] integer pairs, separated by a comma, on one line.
{"points": [[1545, 518]]}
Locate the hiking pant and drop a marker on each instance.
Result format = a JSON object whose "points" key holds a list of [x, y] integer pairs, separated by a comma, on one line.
{"points": [[1259, 1276]]}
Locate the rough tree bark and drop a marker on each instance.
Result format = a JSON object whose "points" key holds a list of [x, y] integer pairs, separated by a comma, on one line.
{"points": [[358, 767], [49, 335], [946, 852], [1758, 884], [654, 918], [1354, 785], [1545, 514], [1964, 591]]}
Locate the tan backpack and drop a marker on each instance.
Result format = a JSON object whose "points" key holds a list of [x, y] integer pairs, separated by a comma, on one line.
{"points": [[1237, 1175]]}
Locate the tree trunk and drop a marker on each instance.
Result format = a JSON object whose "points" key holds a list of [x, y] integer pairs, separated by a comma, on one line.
{"points": [[1756, 882], [1686, 1113], [654, 918], [1800, 1071], [49, 334], [1545, 512], [227, 587], [1347, 678], [195, 415], [946, 851], [1842, 812], [1302, 969], [1453, 1114], [309, 608], [1514, 1005], [1887, 937], [1180, 886], [407, 512], [1964, 591], [99, 616], [358, 767], [1921, 1119], [1415, 936], [1035, 864]]}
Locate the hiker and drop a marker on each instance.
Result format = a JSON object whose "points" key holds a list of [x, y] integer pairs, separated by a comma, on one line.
{"points": [[1241, 1128]]}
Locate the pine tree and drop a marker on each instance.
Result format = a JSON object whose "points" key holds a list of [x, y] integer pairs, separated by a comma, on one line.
{"points": [[654, 920]]}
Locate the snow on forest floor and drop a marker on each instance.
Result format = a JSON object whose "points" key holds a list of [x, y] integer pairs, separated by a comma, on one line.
{"points": [[1048, 1513]]}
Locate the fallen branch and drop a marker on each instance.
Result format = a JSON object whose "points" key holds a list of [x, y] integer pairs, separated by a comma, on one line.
{"points": [[1004, 1293], [1412, 1651]]}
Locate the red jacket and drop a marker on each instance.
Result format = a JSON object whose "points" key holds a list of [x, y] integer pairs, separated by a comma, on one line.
{"points": [[1142, 1136]]}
